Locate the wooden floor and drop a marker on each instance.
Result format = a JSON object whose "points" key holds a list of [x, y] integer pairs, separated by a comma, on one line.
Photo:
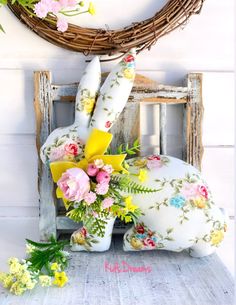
{"points": [[175, 278]]}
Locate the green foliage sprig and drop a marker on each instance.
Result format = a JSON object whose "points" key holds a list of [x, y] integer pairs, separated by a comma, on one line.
{"points": [[126, 149], [124, 183]]}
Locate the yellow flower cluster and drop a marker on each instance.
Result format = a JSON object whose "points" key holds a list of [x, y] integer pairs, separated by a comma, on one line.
{"points": [[122, 212], [60, 277], [19, 279]]}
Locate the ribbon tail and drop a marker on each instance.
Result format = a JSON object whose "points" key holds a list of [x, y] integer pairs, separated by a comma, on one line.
{"points": [[97, 143]]}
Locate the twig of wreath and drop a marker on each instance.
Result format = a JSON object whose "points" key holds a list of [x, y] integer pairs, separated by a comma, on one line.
{"points": [[140, 35]]}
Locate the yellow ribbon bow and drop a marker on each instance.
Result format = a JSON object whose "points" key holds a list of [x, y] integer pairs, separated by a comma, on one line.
{"points": [[95, 148]]}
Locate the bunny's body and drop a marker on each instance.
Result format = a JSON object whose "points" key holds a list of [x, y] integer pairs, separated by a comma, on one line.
{"points": [[179, 215]]}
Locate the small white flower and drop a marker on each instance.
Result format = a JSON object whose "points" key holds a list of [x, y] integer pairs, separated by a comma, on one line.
{"points": [[99, 163], [108, 168]]}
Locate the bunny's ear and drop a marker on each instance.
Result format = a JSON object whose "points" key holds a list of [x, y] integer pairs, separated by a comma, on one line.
{"points": [[87, 92], [114, 93]]}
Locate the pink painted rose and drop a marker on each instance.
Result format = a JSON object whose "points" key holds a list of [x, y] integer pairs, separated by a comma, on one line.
{"points": [[83, 231], [107, 202], [129, 58], [56, 154], [203, 191], [108, 168], [154, 157], [92, 170], [154, 163], [139, 229], [102, 188], [148, 242], [62, 25], [74, 184], [71, 149], [103, 177], [90, 197], [189, 190], [108, 124]]}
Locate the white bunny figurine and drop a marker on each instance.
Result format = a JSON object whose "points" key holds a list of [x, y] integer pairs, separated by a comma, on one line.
{"points": [[180, 215]]}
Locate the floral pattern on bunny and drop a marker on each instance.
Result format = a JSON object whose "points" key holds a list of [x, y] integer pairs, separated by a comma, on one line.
{"points": [[180, 215]]}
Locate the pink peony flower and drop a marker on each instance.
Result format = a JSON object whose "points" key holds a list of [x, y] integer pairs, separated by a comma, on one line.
{"points": [[108, 168], [55, 7], [103, 177], [107, 202], [90, 197], [102, 188], [189, 190], [62, 25], [56, 154], [74, 184], [92, 170], [71, 149], [203, 191], [41, 9]]}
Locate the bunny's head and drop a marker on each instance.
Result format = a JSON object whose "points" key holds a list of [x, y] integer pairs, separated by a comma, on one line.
{"points": [[94, 108]]}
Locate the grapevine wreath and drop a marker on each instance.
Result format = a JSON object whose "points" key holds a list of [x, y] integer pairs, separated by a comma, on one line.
{"points": [[140, 35]]}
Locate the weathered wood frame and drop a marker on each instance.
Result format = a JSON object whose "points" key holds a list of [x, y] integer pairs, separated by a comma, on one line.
{"points": [[144, 90]]}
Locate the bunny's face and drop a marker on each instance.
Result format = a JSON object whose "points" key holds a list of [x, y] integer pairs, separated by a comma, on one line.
{"points": [[94, 108]]}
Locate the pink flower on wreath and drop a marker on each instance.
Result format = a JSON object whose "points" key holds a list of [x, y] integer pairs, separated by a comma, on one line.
{"points": [[148, 242], [190, 190], [92, 170], [90, 197], [56, 154], [107, 202], [203, 191], [74, 184], [154, 162], [103, 177], [108, 124], [41, 9], [62, 25], [102, 188], [71, 149], [55, 7]]}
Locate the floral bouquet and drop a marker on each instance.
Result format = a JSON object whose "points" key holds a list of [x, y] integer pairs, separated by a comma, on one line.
{"points": [[98, 186]]}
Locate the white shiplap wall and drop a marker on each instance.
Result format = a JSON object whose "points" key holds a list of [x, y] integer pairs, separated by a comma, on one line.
{"points": [[205, 45]]}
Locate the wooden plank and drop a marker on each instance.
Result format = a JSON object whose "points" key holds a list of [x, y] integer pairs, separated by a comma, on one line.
{"points": [[163, 136], [127, 127], [194, 118], [43, 110], [174, 279]]}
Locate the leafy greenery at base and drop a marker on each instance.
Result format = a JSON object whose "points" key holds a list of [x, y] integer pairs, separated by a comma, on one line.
{"points": [[43, 254]]}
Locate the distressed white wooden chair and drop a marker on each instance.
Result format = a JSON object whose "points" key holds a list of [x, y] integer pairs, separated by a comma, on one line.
{"points": [[52, 102]]}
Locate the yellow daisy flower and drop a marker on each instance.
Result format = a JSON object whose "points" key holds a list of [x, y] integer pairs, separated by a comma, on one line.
{"points": [[142, 175], [60, 279]]}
